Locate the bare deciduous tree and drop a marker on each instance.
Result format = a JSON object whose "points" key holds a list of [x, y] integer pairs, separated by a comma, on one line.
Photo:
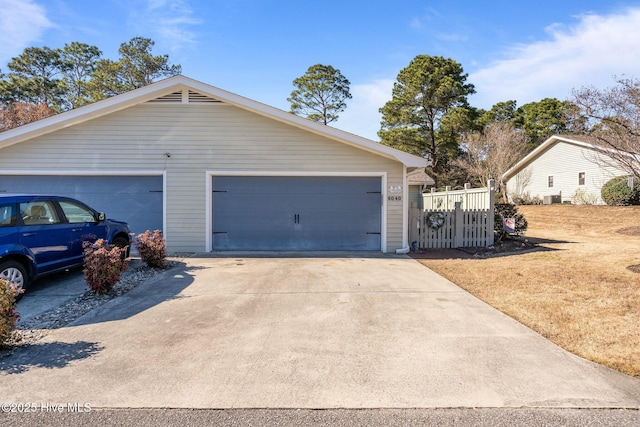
{"points": [[20, 113], [613, 121], [489, 154]]}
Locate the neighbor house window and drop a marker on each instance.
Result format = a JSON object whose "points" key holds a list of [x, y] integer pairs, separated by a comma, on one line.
{"points": [[550, 182], [581, 178]]}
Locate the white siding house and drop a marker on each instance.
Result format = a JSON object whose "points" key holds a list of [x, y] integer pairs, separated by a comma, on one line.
{"points": [[216, 171], [562, 167]]}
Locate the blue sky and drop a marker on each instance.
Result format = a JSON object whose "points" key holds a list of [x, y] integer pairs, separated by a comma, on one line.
{"points": [[518, 50]]}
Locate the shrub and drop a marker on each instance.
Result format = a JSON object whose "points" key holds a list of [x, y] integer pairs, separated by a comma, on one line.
{"points": [[508, 210], [8, 314], [583, 198], [616, 192], [152, 248], [526, 199], [103, 265]]}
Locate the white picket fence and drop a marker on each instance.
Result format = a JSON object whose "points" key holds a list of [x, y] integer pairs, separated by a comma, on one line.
{"points": [[454, 219]]}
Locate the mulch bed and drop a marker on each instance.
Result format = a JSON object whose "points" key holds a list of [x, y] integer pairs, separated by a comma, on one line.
{"points": [[440, 254], [506, 247]]}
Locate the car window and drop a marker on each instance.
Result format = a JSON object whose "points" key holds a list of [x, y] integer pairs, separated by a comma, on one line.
{"points": [[77, 213], [8, 215], [39, 212]]}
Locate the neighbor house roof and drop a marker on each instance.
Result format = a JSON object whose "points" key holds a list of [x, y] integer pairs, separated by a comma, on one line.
{"points": [[579, 140], [419, 177], [177, 83]]}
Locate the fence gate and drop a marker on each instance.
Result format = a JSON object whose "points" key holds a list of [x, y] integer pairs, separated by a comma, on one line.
{"points": [[454, 219]]}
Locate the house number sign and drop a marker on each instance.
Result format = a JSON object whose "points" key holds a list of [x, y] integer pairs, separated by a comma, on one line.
{"points": [[395, 193]]}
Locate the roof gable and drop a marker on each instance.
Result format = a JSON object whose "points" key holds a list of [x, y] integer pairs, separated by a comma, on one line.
{"points": [[542, 148], [419, 177], [181, 89], [185, 97]]}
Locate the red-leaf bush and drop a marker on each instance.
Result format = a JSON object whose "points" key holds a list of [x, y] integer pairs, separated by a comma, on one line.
{"points": [[103, 265], [152, 248], [8, 314]]}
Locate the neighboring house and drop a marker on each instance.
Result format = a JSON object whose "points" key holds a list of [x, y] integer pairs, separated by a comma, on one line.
{"points": [[561, 168], [418, 181], [216, 171]]}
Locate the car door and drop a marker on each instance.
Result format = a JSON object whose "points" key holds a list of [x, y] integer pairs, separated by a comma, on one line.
{"points": [[84, 226], [45, 235]]}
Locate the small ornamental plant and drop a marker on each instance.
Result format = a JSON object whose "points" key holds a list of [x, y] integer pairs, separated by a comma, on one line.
{"points": [[508, 211], [103, 265], [152, 248], [8, 314]]}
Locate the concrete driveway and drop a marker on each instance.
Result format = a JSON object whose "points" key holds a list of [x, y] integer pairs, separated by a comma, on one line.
{"points": [[317, 332]]}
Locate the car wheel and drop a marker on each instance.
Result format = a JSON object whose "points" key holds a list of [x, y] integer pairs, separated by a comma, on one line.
{"points": [[14, 273], [122, 243]]}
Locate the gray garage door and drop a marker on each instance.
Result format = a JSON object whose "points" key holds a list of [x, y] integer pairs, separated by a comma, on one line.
{"points": [[134, 199], [296, 213]]}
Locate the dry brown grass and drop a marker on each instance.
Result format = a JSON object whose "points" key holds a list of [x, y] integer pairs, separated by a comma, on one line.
{"points": [[576, 290]]}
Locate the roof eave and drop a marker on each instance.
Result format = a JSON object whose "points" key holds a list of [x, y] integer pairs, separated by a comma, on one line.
{"points": [[85, 113]]}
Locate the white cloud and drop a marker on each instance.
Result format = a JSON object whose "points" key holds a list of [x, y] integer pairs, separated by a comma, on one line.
{"points": [[416, 24], [22, 22], [170, 20], [361, 116], [590, 53]]}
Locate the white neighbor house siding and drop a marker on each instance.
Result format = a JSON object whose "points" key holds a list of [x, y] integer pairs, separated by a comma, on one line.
{"points": [[564, 161], [200, 138]]}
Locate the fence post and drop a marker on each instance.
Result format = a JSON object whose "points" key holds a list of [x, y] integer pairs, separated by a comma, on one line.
{"points": [[466, 203], [414, 224], [458, 217], [491, 186]]}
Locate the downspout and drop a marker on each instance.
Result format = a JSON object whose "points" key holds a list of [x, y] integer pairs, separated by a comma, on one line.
{"points": [[405, 214], [403, 250]]}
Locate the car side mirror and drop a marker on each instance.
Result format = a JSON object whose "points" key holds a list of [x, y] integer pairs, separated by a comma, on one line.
{"points": [[101, 216]]}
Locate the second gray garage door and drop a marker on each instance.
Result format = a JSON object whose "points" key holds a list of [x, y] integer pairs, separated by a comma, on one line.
{"points": [[296, 213], [134, 199]]}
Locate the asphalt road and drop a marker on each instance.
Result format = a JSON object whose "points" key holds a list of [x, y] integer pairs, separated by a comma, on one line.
{"points": [[336, 417]]}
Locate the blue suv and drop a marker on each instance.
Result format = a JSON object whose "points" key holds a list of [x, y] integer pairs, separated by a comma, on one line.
{"points": [[45, 234]]}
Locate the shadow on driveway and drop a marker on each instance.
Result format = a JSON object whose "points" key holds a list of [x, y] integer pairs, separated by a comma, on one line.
{"points": [[85, 309], [164, 286], [48, 355], [64, 298]]}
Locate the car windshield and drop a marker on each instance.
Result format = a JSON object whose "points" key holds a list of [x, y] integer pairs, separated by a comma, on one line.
{"points": [[76, 213]]}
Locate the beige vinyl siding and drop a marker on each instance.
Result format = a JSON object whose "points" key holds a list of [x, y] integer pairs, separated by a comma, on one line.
{"points": [[564, 161], [199, 138]]}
